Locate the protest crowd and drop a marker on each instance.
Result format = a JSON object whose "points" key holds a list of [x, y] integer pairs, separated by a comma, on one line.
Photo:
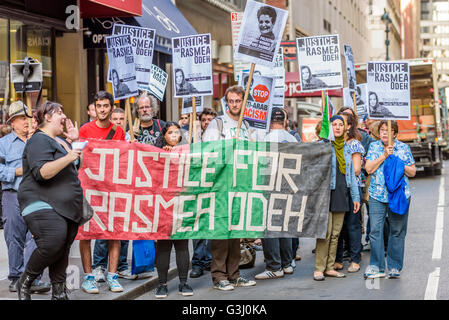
{"points": [[45, 205]]}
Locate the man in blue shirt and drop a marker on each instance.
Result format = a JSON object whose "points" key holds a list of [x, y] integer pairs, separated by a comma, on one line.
{"points": [[18, 239]]}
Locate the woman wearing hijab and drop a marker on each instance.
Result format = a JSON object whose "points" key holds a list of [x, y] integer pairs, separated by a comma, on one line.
{"points": [[343, 184]]}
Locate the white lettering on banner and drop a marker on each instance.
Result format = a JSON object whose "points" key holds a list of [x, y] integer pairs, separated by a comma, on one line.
{"points": [[289, 213], [116, 168], [238, 165], [182, 160], [179, 214], [113, 213], [101, 166], [205, 170], [137, 200], [140, 156], [102, 208], [160, 201], [286, 172], [272, 173], [187, 182], [272, 211], [210, 210], [168, 156], [249, 211], [231, 196]]}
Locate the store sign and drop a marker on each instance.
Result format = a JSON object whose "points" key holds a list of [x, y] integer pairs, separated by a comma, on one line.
{"points": [[289, 50], [293, 88]]}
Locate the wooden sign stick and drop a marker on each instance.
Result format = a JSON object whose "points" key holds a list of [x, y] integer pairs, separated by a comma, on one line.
{"points": [[194, 118], [245, 99], [190, 127], [390, 135], [130, 120], [355, 103]]}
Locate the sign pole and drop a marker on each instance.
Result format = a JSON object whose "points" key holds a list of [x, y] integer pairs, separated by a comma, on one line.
{"points": [[30, 110], [194, 118], [128, 118], [390, 135], [355, 103], [245, 99], [190, 127]]}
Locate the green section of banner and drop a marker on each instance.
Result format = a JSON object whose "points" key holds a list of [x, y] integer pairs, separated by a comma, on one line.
{"points": [[220, 200]]}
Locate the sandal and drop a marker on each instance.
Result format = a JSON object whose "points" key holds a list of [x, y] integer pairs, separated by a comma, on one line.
{"points": [[319, 276], [338, 266], [354, 267], [335, 275]]}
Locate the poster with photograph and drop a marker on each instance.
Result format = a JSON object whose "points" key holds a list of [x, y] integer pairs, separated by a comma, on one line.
{"points": [[361, 98], [192, 66], [319, 63], [389, 90], [187, 105], [121, 66], [260, 33], [258, 105], [350, 68], [236, 23], [158, 82], [142, 41]]}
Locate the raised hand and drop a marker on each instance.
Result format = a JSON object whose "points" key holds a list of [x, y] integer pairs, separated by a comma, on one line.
{"points": [[72, 130]]}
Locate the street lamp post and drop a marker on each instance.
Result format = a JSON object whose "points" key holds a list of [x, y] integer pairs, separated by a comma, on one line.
{"points": [[387, 20]]}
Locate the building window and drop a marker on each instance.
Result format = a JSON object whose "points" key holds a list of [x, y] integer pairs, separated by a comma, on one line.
{"points": [[327, 25]]}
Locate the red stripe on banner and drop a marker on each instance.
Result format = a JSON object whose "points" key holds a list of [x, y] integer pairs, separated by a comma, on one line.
{"points": [[126, 185]]}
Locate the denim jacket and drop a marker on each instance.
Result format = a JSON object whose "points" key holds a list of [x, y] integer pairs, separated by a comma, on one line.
{"points": [[11, 151], [351, 180]]}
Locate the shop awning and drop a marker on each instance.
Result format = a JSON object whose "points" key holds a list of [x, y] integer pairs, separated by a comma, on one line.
{"points": [[168, 21], [293, 88], [161, 15], [110, 8]]}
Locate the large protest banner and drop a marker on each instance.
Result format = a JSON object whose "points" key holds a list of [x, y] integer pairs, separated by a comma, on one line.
{"points": [[260, 33], [215, 190], [142, 40], [389, 90], [121, 66], [361, 99], [350, 68], [319, 63], [258, 105], [192, 66], [158, 82]]}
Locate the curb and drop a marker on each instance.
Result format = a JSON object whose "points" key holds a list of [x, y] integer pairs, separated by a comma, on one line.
{"points": [[146, 286]]}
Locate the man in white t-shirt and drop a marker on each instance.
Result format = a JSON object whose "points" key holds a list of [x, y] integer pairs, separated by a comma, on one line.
{"points": [[226, 253], [278, 252]]}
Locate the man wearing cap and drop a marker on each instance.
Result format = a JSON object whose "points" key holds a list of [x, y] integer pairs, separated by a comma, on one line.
{"points": [[18, 239], [278, 252]]}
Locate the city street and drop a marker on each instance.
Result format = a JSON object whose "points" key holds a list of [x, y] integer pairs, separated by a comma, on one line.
{"points": [[425, 275]]}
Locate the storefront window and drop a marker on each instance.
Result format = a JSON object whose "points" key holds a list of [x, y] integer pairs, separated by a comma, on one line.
{"points": [[3, 66]]}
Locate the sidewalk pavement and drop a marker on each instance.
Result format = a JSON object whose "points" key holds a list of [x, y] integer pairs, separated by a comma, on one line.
{"points": [[131, 288]]}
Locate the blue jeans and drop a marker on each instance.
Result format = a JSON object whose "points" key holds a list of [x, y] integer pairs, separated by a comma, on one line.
{"points": [[351, 234], [18, 238], [277, 252], [396, 240], [202, 256], [101, 251]]}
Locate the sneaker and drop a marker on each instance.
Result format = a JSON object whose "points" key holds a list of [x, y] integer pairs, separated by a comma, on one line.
{"points": [[13, 285], [394, 274], [161, 291], [90, 285], [366, 247], [374, 273], [98, 273], [223, 285], [242, 282], [126, 274], [288, 270], [293, 264], [185, 290], [267, 274], [113, 283]]}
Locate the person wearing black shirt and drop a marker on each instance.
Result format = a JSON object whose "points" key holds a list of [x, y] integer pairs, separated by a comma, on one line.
{"points": [[150, 128], [50, 198]]}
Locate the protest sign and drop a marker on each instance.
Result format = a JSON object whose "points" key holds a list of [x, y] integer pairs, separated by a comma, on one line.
{"points": [[258, 105], [187, 105], [236, 23], [361, 98], [142, 41], [121, 65], [192, 66], [158, 82], [319, 63], [350, 69], [216, 190], [277, 72], [260, 33], [389, 90]]}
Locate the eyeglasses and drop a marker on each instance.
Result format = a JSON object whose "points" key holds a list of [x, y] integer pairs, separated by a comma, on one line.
{"points": [[184, 118], [238, 101]]}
